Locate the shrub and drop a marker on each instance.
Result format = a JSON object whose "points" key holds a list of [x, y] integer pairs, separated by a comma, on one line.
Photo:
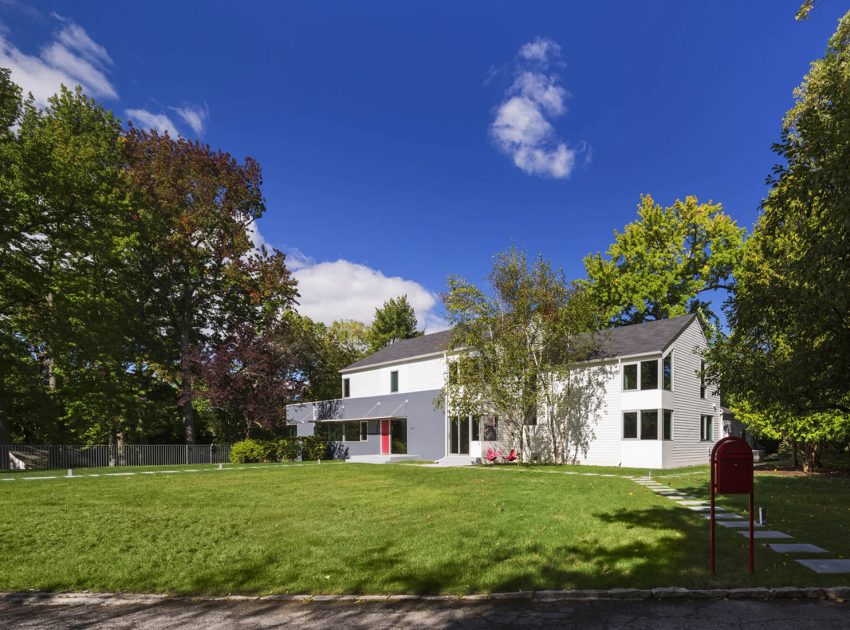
{"points": [[313, 447], [251, 452], [287, 449]]}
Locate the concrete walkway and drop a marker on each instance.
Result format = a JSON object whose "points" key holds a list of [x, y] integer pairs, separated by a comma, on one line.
{"points": [[727, 519], [211, 614]]}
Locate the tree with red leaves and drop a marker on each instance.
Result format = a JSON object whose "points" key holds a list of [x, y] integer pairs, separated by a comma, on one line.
{"points": [[202, 283]]}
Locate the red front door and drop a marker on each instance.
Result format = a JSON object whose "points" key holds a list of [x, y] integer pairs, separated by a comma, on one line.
{"points": [[385, 437]]}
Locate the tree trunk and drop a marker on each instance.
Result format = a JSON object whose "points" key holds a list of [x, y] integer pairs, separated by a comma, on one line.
{"points": [[5, 429], [810, 450], [49, 361], [186, 370]]}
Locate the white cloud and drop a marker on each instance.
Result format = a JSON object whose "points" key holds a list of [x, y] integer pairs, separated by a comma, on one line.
{"points": [[144, 119], [521, 128], [71, 58], [257, 239], [346, 290], [195, 116]]}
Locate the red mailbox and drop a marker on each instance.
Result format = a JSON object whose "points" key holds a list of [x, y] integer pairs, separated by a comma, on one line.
{"points": [[731, 473], [734, 467]]}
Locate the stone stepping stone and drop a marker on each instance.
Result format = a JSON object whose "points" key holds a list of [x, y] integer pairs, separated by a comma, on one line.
{"points": [[741, 523], [767, 533], [827, 566], [692, 502], [796, 548], [724, 516], [706, 509]]}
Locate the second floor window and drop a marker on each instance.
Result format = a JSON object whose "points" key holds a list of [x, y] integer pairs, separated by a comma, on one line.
{"points": [[394, 381], [649, 374], [346, 388], [667, 371], [702, 379], [630, 376]]}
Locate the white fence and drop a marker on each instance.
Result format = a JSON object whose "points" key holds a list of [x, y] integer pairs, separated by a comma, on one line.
{"points": [[62, 456]]}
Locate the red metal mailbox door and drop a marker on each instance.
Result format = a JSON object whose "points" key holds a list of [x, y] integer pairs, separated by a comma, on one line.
{"points": [[734, 462]]}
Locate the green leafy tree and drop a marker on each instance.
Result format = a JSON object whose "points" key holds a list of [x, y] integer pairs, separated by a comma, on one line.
{"points": [[789, 348], [665, 263], [523, 348], [200, 279], [394, 321]]}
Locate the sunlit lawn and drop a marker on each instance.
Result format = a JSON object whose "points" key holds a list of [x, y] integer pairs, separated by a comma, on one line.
{"points": [[346, 528]]}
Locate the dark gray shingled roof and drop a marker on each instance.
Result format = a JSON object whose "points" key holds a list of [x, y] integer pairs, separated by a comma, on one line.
{"points": [[406, 349], [644, 338]]}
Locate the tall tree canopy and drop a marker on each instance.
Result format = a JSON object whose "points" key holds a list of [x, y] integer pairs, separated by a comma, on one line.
{"points": [[196, 205], [394, 321], [523, 345], [790, 317], [665, 263]]}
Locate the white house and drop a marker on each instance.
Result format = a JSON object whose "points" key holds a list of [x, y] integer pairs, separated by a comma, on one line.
{"points": [[657, 412]]}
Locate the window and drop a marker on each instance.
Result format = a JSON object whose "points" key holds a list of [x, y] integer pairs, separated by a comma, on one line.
{"points": [[364, 431], [649, 374], [476, 429], [668, 425], [630, 422], [667, 371], [290, 431], [706, 428], [394, 381], [702, 379], [649, 424], [352, 431], [346, 388], [630, 379]]}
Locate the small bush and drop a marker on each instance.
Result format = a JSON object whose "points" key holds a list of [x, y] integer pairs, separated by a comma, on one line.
{"points": [[313, 448], [287, 449], [251, 452]]}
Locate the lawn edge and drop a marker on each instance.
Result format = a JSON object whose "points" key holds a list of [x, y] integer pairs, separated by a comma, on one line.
{"points": [[837, 593]]}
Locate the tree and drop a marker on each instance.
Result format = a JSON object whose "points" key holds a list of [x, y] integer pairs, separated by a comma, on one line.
{"points": [[254, 375], [203, 283], [664, 263], [525, 349], [788, 355], [394, 321]]}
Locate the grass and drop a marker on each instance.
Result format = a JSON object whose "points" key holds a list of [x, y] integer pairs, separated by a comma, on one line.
{"points": [[812, 508], [352, 528]]}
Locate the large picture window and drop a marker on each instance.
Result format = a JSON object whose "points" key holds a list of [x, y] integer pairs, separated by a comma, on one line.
{"points": [[630, 376], [342, 431], [649, 374]]}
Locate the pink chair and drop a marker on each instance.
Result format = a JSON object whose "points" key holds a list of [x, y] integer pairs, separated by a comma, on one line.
{"points": [[492, 455], [512, 456]]}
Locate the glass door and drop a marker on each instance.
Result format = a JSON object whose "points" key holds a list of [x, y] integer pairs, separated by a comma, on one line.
{"points": [[398, 437], [459, 438]]}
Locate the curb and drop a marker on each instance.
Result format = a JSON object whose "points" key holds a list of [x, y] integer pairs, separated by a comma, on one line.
{"points": [[837, 594]]}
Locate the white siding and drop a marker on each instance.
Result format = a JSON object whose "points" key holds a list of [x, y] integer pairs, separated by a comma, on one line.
{"points": [[688, 406], [415, 375]]}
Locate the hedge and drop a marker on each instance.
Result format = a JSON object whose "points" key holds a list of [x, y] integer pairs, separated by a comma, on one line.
{"points": [[282, 450]]}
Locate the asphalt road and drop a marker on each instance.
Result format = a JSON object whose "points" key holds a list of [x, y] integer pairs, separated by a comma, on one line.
{"points": [[720, 614]]}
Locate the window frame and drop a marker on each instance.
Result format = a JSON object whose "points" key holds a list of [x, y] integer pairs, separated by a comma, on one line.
{"points": [[636, 366], [636, 413], [346, 387], [665, 437], [657, 363], [664, 360], [657, 426], [702, 387], [706, 429], [394, 381]]}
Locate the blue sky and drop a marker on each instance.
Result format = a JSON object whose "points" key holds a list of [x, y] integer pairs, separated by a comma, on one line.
{"points": [[405, 141]]}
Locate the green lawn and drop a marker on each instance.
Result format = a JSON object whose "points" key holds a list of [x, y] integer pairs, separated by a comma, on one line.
{"points": [[348, 528]]}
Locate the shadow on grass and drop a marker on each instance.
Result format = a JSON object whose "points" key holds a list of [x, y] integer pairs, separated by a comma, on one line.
{"points": [[660, 547]]}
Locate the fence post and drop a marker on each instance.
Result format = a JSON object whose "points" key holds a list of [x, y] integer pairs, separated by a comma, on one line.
{"points": [[187, 454]]}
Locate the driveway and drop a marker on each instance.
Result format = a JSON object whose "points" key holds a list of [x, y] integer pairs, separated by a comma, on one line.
{"points": [[720, 614]]}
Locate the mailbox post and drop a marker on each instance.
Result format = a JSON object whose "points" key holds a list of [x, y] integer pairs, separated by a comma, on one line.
{"points": [[731, 473]]}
